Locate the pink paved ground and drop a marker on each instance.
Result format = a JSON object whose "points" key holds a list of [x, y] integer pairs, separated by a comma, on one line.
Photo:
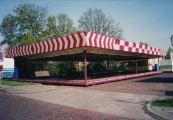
{"points": [[19, 108], [152, 85]]}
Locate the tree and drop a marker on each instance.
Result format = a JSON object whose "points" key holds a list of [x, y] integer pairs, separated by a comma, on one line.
{"points": [[29, 24], [58, 26], [31, 18], [63, 67], [112, 65], [27, 19], [65, 24], [96, 21], [25, 26], [143, 43], [168, 53], [8, 29], [28, 38], [27, 68], [51, 30]]}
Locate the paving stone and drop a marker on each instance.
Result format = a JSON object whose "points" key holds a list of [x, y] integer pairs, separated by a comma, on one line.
{"points": [[19, 108], [30, 89], [151, 85]]}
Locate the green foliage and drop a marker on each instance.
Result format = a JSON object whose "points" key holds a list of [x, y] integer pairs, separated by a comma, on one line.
{"points": [[53, 67], [51, 30], [112, 65], [102, 65], [58, 26], [143, 43], [8, 30], [30, 18], [163, 103], [62, 67], [27, 22], [168, 53], [65, 24], [166, 67], [96, 21], [30, 24], [27, 68], [91, 66], [27, 39], [78, 69]]}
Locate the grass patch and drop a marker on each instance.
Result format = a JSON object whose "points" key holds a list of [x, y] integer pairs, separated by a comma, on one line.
{"points": [[143, 107], [15, 83], [163, 103]]}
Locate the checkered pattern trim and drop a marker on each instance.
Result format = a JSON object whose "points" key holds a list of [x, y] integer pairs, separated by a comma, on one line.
{"points": [[101, 41], [134, 47]]}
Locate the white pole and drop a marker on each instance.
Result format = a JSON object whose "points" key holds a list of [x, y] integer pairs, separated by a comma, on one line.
{"points": [[0, 77]]}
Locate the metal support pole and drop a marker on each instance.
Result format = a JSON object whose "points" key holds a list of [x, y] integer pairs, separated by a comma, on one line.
{"points": [[0, 77], [85, 66], [158, 61], [136, 66]]}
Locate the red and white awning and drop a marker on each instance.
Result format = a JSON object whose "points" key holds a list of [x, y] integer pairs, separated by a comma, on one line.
{"points": [[78, 42]]}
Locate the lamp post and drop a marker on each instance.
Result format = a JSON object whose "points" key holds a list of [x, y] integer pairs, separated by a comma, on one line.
{"points": [[171, 53], [172, 40]]}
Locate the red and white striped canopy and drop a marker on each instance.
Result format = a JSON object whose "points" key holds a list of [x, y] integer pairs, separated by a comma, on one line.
{"points": [[76, 43]]}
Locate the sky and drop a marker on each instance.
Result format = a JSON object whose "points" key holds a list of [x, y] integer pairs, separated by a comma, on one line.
{"points": [[149, 21]]}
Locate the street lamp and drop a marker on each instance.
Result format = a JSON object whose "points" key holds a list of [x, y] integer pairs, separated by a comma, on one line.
{"points": [[172, 40], [171, 52]]}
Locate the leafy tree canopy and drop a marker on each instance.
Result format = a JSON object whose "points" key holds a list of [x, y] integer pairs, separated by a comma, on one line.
{"points": [[8, 29], [143, 43], [58, 26], [28, 19], [27, 39], [168, 53], [65, 24], [96, 21]]}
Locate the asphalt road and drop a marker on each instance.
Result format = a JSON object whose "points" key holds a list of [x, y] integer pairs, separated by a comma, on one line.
{"points": [[14, 107]]}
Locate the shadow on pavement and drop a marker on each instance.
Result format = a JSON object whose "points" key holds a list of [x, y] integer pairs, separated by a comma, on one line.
{"points": [[141, 103], [162, 78], [169, 93], [158, 80]]}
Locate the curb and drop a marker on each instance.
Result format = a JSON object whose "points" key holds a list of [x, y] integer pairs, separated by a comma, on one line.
{"points": [[154, 114]]}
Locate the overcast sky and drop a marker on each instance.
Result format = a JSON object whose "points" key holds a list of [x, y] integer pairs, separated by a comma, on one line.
{"points": [[149, 21]]}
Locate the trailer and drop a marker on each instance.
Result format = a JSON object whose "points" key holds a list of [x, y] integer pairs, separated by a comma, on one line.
{"points": [[7, 66]]}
